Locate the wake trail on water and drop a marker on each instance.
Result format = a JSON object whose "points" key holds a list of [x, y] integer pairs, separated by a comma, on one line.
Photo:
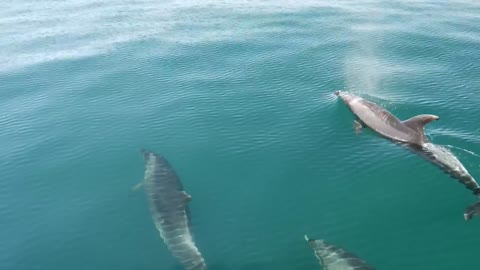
{"points": [[462, 149]]}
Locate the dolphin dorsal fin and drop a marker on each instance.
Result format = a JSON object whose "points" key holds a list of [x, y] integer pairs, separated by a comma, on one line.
{"points": [[418, 122]]}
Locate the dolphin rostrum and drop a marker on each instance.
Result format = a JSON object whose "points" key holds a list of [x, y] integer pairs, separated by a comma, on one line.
{"points": [[168, 203], [411, 135], [334, 258]]}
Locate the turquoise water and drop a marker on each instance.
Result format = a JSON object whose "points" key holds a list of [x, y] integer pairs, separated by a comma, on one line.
{"points": [[238, 95]]}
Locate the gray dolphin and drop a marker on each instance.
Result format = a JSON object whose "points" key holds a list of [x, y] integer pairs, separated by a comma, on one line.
{"points": [[411, 135], [334, 258], [168, 203]]}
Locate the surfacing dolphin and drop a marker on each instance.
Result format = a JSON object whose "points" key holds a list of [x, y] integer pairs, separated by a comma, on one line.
{"points": [[411, 134], [334, 258], [169, 207]]}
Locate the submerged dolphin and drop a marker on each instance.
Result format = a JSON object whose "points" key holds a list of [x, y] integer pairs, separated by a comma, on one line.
{"points": [[411, 134], [335, 258], [169, 207]]}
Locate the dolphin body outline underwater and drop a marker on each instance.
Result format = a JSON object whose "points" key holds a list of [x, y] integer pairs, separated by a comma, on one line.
{"points": [[168, 203]]}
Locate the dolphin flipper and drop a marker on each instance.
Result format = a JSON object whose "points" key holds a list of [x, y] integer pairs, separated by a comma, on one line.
{"points": [[186, 198], [357, 126], [137, 186]]}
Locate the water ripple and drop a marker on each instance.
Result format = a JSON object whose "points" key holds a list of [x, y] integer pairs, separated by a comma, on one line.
{"points": [[239, 96]]}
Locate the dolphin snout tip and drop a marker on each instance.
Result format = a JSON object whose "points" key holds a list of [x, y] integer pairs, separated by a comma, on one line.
{"points": [[337, 92]]}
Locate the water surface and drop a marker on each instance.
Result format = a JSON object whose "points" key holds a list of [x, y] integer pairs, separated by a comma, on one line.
{"points": [[238, 95]]}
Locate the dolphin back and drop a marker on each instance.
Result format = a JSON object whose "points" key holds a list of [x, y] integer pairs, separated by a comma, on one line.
{"points": [[381, 120], [168, 203], [448, 163], [335, 258]]}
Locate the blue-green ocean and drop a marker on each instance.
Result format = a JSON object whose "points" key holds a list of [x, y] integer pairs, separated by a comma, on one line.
{"points": [[238, 96]]}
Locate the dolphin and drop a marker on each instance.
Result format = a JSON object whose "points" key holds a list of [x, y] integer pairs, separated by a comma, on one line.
{"points": [[410, 134], [334, 258], [168, 203]]}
